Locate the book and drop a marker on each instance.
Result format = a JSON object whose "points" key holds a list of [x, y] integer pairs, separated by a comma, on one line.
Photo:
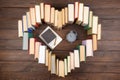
{"points": [[46, 57], [65, 66], [85, 16], [63, 16], [82, 53], [42, 9], [59, 20], [95, 25], [53, 65], [89, 47], [76, 4], [49, 61], [72, 60], [70, 13], [24, 19], [37, 14], [50, 37], [66, 15], [57, 66], [80, 14], [99, 32], [94, 39], [41, 58], [31, 45], [47, 13], [37, 45], [90, 24], [68, 64], [32, 16], [77, 58], [25, 41], [52, 19], [20, 29], [28, 20], [61, 68], [56, 19]]}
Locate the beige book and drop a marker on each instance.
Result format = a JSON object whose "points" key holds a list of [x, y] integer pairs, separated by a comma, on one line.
{"points": [[20, 29], [46, 57], [31, 45], [28, 19], [42, 8], [68, 64], [94, 38], [76, 9], [66, 15], [53, 65], [24, 18], [47, 13], [70, 13], [59, 20], [80, 13], [99, 32], [72, 60], [52, 19], [61, 68], [56, 18], [32, 16], [65, 66], [90, 19], [77, 58], [37, 14], [63, 16], [95, 25], [49, 61], [85, 16], [37, 45], [57, 67], [82, 53]]}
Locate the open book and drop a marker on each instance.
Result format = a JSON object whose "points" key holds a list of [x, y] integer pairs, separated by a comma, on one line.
{"points": [[50, 37]]}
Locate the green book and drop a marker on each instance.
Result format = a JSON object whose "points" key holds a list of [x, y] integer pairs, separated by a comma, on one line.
{"points": [[30, 35]]}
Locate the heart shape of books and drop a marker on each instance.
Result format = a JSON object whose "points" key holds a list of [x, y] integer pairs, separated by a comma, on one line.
{"points": [[75, 13]]}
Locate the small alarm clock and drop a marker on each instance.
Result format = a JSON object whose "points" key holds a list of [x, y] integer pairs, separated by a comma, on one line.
{"points": [[71, 36]]}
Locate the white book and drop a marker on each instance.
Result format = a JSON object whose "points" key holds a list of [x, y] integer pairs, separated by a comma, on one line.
{"points": [[53, 64], [89, 47], [31, 45], [28, 20], [77, 58], [95, 24], [65, 64], [37, 14], [80, 14], [72, 60], [32, 16], [42, 10], [20, 29], [25, 41], [90, 19], [99, 32], [76, 4], [24, 18], [85, 16], [68, 64], [70, 13], [41, 58]]}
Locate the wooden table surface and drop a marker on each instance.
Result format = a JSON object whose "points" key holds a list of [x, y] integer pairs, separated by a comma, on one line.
{"points": [[16, 64]]}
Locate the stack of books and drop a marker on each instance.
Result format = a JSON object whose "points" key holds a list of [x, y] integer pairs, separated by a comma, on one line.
{"points": [[76, 13]]}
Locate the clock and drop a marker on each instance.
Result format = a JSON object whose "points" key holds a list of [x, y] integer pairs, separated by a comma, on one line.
{"points": [[71, 36]]}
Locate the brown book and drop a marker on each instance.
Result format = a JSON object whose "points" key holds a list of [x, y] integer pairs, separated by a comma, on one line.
{"points": [[37, 45], [72, 60], [32, 16], [61, 68], [94, 38], [20, 30], [47, 13], [82, 52], [66, 15], [63, 16], [46, 57], [76, 9], [70, 13], [52, 19], [42, 9], [32, 46]]}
